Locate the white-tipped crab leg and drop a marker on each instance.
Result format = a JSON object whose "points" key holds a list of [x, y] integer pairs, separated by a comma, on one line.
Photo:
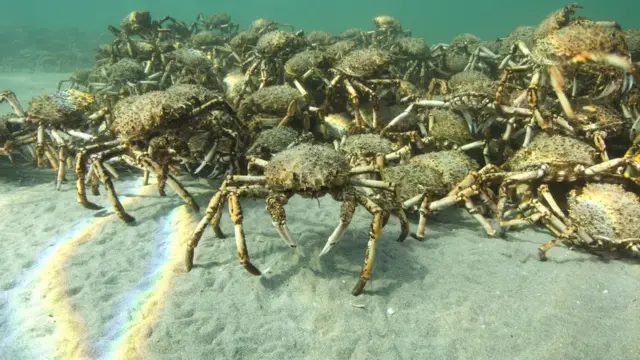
{"points": [[81, 135], [346, 214], [275, 207], [403, 115], [207, 158]]}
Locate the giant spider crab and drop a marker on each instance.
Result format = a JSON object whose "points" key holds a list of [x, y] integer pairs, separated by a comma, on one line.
{"points": [[601, 216], [154, 130], [593, 53], [548, 159], [310, 171], [57, 119]]}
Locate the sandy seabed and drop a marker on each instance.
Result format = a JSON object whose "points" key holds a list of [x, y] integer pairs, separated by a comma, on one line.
{"points": [[81, 284]]}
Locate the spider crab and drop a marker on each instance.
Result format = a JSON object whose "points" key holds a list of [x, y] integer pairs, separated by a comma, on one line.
{"points": [[153, 131], [593, 54], [548, 159], [601, 216], [59, 116], [310, 171]]}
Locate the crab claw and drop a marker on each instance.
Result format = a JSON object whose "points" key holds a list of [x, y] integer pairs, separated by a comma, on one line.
{"points": [[614, 60]]}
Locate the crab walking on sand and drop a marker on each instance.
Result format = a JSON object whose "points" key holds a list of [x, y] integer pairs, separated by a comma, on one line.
{"points": [[310, 171]]}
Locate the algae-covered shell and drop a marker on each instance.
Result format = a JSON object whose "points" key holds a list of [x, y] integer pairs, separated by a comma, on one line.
{"points": [[365, 62], [414, 179], [278, 43], [270, 100], [307, 167], [366, 145], [605, 210], [413, 47], [66, 106], [143, 115], [553, 150], [450, 126], [453, 165], [272, 141], [301, 62]]}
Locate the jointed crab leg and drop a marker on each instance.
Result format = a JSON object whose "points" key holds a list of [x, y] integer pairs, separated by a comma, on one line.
{"points": [[275, 207], [100, 171], [235, 212], [153, 166], [347, 209], [374, 233]]}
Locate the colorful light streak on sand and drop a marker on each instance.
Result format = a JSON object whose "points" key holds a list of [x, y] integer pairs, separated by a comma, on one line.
{"points": [[132, 344], [70, 334]]}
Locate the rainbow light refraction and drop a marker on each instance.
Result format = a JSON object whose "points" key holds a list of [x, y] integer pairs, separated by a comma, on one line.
{"points": [[132, 343], [49, 295]]}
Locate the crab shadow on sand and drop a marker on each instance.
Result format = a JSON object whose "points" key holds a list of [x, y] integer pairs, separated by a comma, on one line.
{"points": [[394, 266]]}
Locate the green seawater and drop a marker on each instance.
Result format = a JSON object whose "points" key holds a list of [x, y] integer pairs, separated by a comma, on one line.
{"points": [[435, 21]]}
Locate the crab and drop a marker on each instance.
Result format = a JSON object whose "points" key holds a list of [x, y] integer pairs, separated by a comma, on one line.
{"points": [[548, 159], [217, 49], [190, 66], [418, 56], [244, 42], [310, 171], [370, 149], [234, 85], [601, 216], [263, 26], [473, 95], [272, 141], [60, 116], [320, 39], [340, 49], [429, 177], [387, 29], [154, 36], [306, 66], [271, 51], [126, 76], [593, 53], [153, 130], [78, 80], [11, 137], [216, 21], [595, 123], [521, 33], [462, 54], [357, 72], [274, 105], [358, 36], [447, 130], [141, 24]]}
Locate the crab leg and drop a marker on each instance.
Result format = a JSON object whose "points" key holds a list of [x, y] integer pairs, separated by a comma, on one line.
{"points": [[557, 82], [347, 209], [207, 158], [214, 207], [374, 233], [173, 183], [10, 97], [101, 173], [235, 212], [81, 173], [422, 223], [275, 207], [474, 212]]}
